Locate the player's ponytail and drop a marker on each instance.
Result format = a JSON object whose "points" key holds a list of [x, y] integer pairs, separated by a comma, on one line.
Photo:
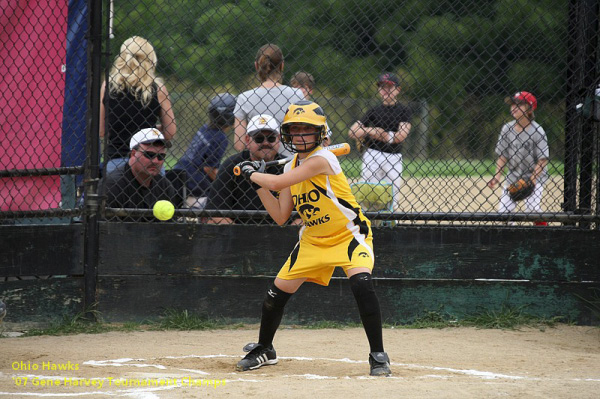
{"points": [[269, 62]]}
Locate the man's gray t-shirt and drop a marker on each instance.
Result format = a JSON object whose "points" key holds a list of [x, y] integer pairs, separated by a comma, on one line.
{"points": [[272, 101], [523, 150]]}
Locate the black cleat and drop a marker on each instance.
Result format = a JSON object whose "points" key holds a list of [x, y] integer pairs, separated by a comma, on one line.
{"points": [[258, 357], [380, 364]]}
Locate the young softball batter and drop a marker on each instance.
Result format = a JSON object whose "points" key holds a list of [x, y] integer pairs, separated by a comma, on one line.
{"points": [[335, 232]]}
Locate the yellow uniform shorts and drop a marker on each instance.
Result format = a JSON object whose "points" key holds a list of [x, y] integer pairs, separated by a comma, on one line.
{"points": [[316, 258]]}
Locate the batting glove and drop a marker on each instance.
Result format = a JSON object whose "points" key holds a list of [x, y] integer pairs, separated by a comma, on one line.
{"points": [[249, 167]]}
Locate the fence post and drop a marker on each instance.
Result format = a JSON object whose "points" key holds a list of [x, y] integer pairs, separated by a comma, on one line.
{"points": [[572, 98], [581, 83], [589, 26], [92, 169]]}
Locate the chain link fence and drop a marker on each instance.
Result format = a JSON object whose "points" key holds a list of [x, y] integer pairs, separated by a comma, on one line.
{"points": [[417, 88]]}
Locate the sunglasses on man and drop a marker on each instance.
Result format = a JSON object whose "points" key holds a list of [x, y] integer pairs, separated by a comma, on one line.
{"points": [[260, 138], [152, 155]]}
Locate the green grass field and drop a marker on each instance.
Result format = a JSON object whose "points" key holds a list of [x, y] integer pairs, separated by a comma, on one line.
{"points": [[442, 167], [507, 317]]}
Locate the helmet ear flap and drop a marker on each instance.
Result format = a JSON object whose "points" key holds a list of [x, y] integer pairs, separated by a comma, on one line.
{"points": [[284, 133]]}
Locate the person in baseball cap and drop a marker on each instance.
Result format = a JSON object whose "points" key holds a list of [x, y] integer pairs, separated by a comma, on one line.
{"points": [[230, 192], [262, 136], [149, 135], [388, 78], [522, 149], [380, 134], [262, 123], [522, 97], [139, 182]]}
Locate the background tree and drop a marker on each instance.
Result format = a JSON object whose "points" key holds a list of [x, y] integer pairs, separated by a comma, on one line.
{"points": [[461, 58]]}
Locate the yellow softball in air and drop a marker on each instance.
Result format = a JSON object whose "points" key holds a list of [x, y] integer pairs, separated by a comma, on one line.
{"points": [[163, 210]]}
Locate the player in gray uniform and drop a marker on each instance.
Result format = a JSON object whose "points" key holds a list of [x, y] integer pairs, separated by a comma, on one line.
{"points": [[2, 310], [523, 147]]}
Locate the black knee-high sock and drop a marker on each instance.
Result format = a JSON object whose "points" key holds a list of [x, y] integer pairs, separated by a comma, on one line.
{"points": [[368, 307], [272, 312]]}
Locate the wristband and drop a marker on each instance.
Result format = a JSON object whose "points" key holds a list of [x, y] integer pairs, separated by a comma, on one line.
{"points": [[254, 185]]}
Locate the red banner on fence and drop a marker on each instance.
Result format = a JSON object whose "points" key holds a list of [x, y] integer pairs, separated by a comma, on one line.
{"points": [[32, 81]]}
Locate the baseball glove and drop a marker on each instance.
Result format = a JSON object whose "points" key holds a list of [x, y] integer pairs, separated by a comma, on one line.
{"points": [[521, 189]]}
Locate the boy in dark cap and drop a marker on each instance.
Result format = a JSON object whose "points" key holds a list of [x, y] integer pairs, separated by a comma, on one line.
{"points": [[381, 131]]}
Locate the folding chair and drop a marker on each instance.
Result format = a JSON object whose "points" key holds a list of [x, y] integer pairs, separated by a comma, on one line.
{"points": [[375, 197]]}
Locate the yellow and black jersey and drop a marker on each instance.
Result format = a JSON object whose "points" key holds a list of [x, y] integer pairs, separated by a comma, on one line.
{"points": [[335, 231], [325, 202]]}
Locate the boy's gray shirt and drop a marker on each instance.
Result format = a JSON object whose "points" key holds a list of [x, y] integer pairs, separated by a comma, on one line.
{"points": [[523, 150]]}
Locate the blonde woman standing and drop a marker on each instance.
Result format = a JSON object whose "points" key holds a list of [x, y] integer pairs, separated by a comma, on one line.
{"points": [[133, 99], [271, 97]]}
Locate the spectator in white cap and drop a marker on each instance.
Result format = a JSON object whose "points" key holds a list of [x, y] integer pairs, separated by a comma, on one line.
{"points": [[230, 192], [139, 183], [262, 138]]}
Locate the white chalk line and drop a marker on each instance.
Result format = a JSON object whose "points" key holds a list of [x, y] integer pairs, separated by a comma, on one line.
{"points": [[148, 392]]}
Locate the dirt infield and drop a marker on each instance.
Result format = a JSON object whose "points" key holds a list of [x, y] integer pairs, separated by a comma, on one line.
{"points": [[467, 194], [561, 362]]}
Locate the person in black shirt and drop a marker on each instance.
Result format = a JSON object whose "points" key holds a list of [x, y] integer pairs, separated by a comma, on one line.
{"points": [[381, 131], [234, 192], [138, 183], [133, 98]]}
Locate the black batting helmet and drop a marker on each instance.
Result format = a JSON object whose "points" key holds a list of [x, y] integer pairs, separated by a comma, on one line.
{"points": [[220, 109]]}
